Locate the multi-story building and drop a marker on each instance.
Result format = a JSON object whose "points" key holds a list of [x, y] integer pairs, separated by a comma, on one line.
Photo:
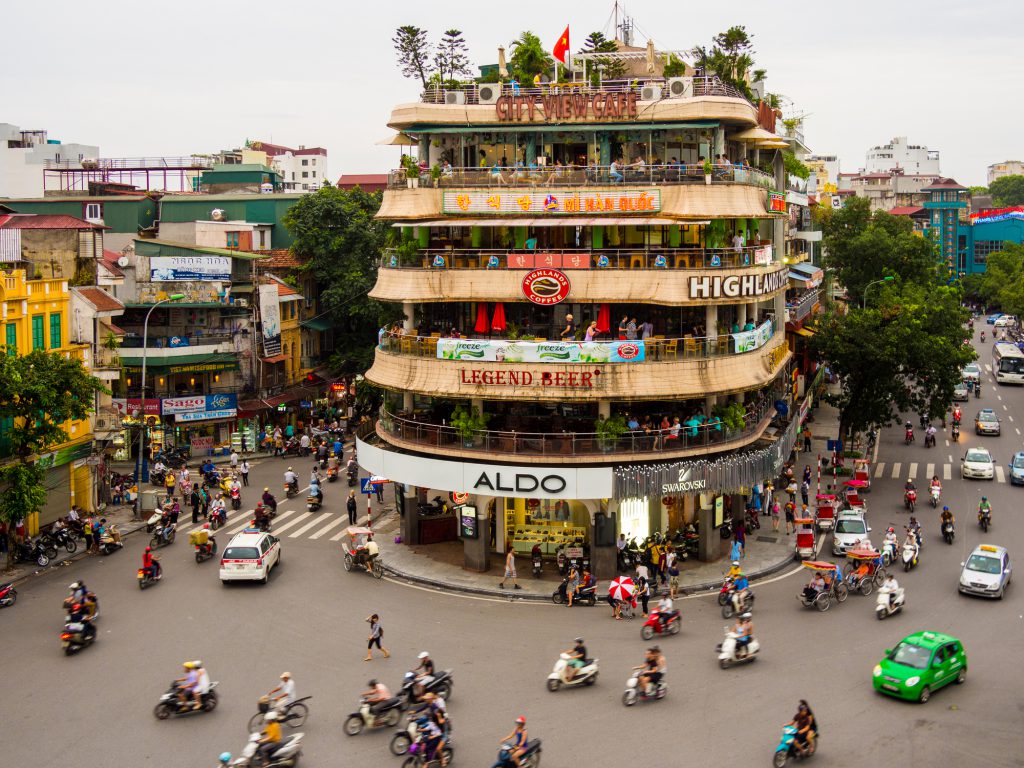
{"points": [[946, 205], [1007, 168], [25, 154], [593, 337], [300, 169], [910, 158], [892, 189]]}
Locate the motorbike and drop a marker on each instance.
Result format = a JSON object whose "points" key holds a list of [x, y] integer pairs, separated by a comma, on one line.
{"points": [[984, 519], [285, 755], [727, 650], [884, 607], [236, 498], [908, 437], [206, 551], [909, 557], [440, 684], [910, 499], [314, 502], [977, 389], [170, 703], [585, 595], [154, 521], [529, 759], [157, 477], [538, 563], [76, 636], [418, 754], [954, 433], [61, 537], [635, 692], [934, 495], [291, 448], [725, 592], [388, 714], [726, 530], [147, 579], [163, 536], [291, 489], [788, 749], [889, 552], [655, 625], [8, 595], [174, 458], [436, 507], [31, 550], [983, 336], [732, 606], [929, 440], [353, 476], [332, 474], [948, 532], [585, 675]]}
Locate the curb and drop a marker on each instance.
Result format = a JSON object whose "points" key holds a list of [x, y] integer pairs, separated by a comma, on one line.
{"points": [[510, 595]]}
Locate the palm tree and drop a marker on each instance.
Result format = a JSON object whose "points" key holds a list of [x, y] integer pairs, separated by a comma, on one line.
{"points": [[529, 58]]}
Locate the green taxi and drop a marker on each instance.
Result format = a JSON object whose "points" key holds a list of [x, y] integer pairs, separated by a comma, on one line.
{"points": [[919, 664]]}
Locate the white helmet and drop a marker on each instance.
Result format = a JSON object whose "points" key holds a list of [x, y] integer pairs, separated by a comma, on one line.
{"points": [[423, 655], [270, 716]]}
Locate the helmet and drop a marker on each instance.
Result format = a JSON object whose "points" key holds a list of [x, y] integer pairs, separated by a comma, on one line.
{"points": [[75, 585], [890, 530], [423, 655], [286, 675], [746, 615], [521, 720], [266, 490], [271, 715], [655, 649], [984, 498], [735, 563], [206, 526], [409, 675], [945, 509], [422, 722], [149, 549], [225, 757], [188, 664], [289, 469], [579, 639], [372, 682], [198, 664]]}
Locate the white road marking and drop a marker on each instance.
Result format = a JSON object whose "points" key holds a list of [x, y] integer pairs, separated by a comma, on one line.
{"points": [[1018, 430], [1005, 408], [947, 443], [306, 527], [912, 472], [896, 470], [930, 471], [999, 397], [280, 516], [337, 536], [879, 469], [334, 523], [1000, 475], [279, 529], [1011, 417], [947, 472], [988, 367]]}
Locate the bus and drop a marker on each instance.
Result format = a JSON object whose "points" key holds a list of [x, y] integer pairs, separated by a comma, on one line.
{"points": [[1007, 363]]}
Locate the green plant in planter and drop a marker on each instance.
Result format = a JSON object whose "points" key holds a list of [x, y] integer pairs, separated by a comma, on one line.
{"points": [[609, 430], [412, 168], [733, 415], [708, 166], [467, 423], [111, 341]]}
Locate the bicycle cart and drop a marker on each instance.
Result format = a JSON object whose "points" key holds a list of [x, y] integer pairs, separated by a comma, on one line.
{"points": [[805, 543], [353, 543], [825, 511], [835, 587], [864, 570]]}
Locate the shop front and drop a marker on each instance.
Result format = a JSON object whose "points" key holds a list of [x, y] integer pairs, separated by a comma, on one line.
{"points": [[204, 423], [134, 418]]}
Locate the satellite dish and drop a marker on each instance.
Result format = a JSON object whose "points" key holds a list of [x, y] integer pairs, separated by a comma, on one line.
{"points": [[218, 214], [123, 261]]}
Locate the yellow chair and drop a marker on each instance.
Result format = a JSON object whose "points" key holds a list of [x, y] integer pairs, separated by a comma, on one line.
{"points": [[637, 261], [682, 261], [405, 345], [672, 349], [430, 346], [723, 345], [689, 347]]}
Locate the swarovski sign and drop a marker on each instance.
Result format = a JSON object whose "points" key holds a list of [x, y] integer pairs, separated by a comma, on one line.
{"points": [[685, 483]]}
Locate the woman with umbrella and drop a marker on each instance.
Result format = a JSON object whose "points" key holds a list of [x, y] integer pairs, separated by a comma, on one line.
{"points": [[620, 593]]}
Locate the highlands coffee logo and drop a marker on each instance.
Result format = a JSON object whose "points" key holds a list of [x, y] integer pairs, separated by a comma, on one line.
{"points": [[684, 484]]}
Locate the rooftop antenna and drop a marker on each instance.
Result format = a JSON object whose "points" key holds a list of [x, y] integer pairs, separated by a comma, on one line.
{"points": [[623, 31]]}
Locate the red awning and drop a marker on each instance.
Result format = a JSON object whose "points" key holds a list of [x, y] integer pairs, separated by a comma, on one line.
{"points": [[274, 359], [498, 319]]}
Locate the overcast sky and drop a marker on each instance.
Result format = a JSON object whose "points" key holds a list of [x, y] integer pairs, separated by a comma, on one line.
{"points": [[186, 76]]}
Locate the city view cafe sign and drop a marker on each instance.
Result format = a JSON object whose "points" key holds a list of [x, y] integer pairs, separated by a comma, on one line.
{"points": [[566, 106]]}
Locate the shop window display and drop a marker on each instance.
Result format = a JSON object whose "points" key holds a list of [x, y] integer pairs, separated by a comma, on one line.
{"points": [[552, 523]]}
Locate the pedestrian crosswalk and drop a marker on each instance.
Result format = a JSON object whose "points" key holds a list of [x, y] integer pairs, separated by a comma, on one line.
{"points": [[288, 523], [895, 471]]}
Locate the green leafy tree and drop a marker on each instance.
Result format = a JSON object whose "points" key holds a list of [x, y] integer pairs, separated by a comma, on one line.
{"points": [[976, 190], [413, 50], [1007, 191], [611, 69], [341, 243], [794, 167], [39, 393], [1002, 284], [451, 58], [529, 58], [731, 57]]}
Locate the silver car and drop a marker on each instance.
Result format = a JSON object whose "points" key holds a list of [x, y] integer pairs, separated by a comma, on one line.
{"points": [[851, 528], [986, 422], [986, 572]]}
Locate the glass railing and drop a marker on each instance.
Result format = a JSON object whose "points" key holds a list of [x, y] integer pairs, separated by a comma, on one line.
{"points": [[650, 87]]}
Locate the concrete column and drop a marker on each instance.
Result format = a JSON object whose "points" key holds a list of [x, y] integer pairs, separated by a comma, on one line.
{"points": [[477, 552], [408, 401], [780, 311], [711, 320], [423, 153], [752, 311], [531, 150], [409, 311], [478, 404], [710, 401], [741, 314], [707, 546], [408, 517], [604, 408], [719, 148], [605, 143]]}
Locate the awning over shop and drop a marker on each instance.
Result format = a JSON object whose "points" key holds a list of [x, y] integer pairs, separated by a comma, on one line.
{"points": [[274, 359], [548, 221], [316, 324], [806, 275], [216, 361], [806, 332]]}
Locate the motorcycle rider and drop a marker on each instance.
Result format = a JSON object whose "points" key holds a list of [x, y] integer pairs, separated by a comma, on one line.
{"points": [[741, 591], [744, 630], [579, 654], [911, 541], [956, 416], [516, 741], [915, 527], [891, 540], [219, 509], [187, 685], [151, 565], [426, 677], [271, 734], [269, 501], [202, 686], [666, 611], [291, 480], [907, 488], [235, 488], [909, 430], [314, 485], [984, 508], [806, 728], [892, 585], [654, 667], [936, 483], [946, 517], [929, 435], [433, 739], [285, 691], [377, 694]]}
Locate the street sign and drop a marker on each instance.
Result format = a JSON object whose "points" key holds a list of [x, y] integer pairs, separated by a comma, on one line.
{"points": [[365, 486], [835, 445]]}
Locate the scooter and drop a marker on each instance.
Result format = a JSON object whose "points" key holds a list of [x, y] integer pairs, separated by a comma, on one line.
{"points": [[788, 749], [888, 553], [910, 499], [147, 579], [313, 502], [353, 476], [954, 434], [733, 605], [936, 492], [284, 756], [163, 537], [884, 607], [908, 437], [634, 692], [332, 474], [909, 557], [158, 477], [929, 440], [236, 498], [8, 595], [655, 626], [110, 541], [291, 489], [727, 650], [76, 636], [948, 532], [440, 684], [977, 389], [585, 596], [984, 519], [538, 562], [170, 703], [32, 551], [205, 551], [389, 714], [529, 759], [154, 521], [585, 675]]}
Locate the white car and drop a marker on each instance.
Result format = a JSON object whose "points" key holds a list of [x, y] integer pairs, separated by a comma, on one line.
{"points": [[986, 572], [250, 556], [851, 528], [977, 463], [971, 372], [1004, 321]]}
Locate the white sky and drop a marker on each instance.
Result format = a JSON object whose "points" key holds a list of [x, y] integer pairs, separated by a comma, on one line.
{"points": [[187, 76]]}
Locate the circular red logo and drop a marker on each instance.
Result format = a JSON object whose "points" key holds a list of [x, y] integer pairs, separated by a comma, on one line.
{"points": [[628, 351], [458, 498], [545, 286]]}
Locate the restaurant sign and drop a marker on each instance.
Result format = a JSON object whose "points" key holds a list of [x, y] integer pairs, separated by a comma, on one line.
{"points": [[226, 413], [199, 403], [521, 378], [501, 351], [745, 341], [551, 202], [566, 106], [776, 202], [545, 286], [737, 286]]}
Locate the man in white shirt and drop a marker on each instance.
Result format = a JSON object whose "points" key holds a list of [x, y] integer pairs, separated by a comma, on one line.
{"points": [[73, 514], [286, 690], [234, 459]]}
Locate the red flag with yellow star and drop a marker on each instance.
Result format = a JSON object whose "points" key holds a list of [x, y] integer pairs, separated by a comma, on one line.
{"points": [[561, 49]]}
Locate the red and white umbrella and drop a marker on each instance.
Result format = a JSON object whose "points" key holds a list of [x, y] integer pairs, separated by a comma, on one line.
{"points": [[621, 588]]}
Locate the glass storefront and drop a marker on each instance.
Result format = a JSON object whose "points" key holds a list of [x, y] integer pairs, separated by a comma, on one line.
{"points": [[552, 523]]}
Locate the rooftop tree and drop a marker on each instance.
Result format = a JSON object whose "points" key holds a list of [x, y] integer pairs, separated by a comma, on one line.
{"points": [[451, 58], [529, 58], [612, 69], [413, 50], [731, 57]]}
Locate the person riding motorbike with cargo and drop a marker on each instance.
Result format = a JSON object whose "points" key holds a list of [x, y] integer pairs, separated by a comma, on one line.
{"points": [[285, 693], [984, 508]]}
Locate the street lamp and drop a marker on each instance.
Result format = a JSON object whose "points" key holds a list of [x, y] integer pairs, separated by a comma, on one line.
{"points": [[140, 464], [863, 301]]}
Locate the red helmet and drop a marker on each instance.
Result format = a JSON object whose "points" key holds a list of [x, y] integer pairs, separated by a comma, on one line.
{"points": [[148, 549], [521, 720], [206, 526], [76, 607]]}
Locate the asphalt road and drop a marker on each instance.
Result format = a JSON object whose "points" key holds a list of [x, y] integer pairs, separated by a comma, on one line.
{"points": [[97, 706]]}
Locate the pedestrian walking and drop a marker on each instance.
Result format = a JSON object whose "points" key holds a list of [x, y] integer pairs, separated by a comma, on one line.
{"points": [[87, 532], [352, 505], [739, 532], [805, 489], [791, 491], [244, 469], [378, 488], [643, 593], [673, 572], [234, 460], [790, 515], [206, 502], [510, 568], [807, 439], [245, 444], [196, 500], [376, 633], [775, 515]]}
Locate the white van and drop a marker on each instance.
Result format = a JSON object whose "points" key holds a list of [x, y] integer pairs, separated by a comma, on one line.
{"points": [[249, 556], [1004, 321]]}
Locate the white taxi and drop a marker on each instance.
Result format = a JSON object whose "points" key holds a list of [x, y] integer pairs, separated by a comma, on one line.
{"points": [[977, 463], [250, 556], [986, 572]]}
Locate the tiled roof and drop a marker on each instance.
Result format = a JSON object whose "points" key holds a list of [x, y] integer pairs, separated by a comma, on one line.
{"points": [[285, 290], [370, 181], [47, 221], [110, 263], [282, 258], [906, 210], [943, 184], [99, 298]]}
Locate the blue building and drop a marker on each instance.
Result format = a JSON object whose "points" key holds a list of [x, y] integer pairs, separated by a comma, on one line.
{"points": [[946, 200], [988, 232]]}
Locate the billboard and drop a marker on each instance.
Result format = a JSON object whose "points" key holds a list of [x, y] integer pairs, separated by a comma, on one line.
{"points": [[270, 317], [501, 351], [169, 268]]}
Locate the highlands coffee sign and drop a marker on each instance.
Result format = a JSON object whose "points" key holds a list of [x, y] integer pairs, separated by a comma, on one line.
{"points": [[566, 106], [737, 286]]}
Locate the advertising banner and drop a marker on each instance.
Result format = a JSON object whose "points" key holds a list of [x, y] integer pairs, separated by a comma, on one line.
{"points": [[201, 446], [127, 407], [168, 268], [198, 403], [270, 317], [227, 413], [552, 202], [745, 341], [763, 255], [501, 351]]}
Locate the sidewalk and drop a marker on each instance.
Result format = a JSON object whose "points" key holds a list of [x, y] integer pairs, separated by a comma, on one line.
{"points": [[440, 565]]}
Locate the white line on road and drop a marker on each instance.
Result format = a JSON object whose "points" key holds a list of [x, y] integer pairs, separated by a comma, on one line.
{"points": [[988, 367], [947, 472], [280, 516], [1018, 430], [326, 528], [896, 470], [999, 397], [912, 472], [1005, 408], [929, 471], [1000, 475], [279, 529], [879, 469], [306, 527], [1011, 417]]}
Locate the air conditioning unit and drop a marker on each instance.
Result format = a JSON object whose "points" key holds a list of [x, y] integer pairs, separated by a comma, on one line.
{"points": [[650, 93], [680, 87], [241, 302], [454, 97], [488, 93]]}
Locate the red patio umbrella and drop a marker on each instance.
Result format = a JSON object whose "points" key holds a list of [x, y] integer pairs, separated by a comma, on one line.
{"points": [[604, 319], [498, 319], [482, 323]]}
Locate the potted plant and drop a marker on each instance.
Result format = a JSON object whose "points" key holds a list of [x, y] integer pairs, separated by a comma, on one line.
{"points": [[708, 169], [468, 423], [733, 416], [609, 430], [412, 171], [435, 174]]}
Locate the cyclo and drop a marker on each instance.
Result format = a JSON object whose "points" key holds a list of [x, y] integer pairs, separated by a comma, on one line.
{"points": [[834, 589], [354, 542], [864, 570]]}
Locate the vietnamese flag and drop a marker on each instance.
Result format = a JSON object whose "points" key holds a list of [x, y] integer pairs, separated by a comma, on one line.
{"points": [[561, 49]]}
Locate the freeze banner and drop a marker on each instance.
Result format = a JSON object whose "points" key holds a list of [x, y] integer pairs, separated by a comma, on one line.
{"points": [[270, 316], [164, 269], [502, 351], [746, 341]]}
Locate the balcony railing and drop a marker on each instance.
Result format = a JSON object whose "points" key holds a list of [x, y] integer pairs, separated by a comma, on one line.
{"points": [[582, 258], [801, 308], [126, 163], [702, 86], [689, 436], [653, 349], [102, 357], [578, 176]]}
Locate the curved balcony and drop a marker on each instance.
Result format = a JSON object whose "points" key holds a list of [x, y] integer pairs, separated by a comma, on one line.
{"points": [[676, 369], [635, 278], [702, 86], [572, 447]]}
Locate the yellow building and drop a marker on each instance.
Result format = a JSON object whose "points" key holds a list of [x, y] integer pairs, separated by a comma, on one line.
{"points": [[35, 315]]}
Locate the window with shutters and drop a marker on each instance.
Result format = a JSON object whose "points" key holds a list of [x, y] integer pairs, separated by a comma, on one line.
{"points": [[38, 332]]}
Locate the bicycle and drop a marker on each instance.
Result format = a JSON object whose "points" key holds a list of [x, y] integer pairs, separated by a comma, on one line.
{"points": [[294, 714]]}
